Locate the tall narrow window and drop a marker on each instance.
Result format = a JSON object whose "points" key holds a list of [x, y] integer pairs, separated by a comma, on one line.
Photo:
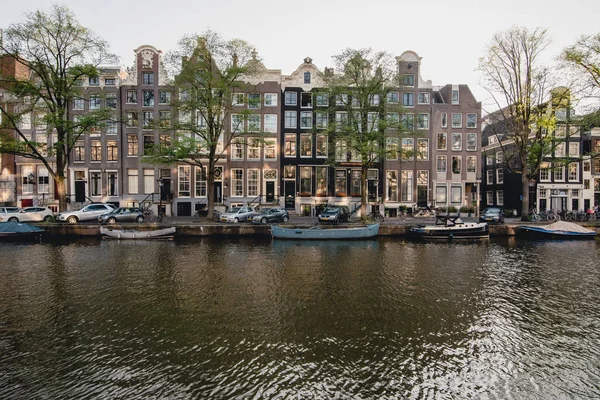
{"points": [[392, 186], [237, 182], [95, 184], [96, 150], [148, 181], [321, 181], [185, 177], [305, 181], [132, 181], [406, 186], [253, 182], [201, 183]]}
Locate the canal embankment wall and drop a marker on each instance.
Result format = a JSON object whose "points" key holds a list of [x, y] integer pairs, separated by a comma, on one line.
{"points": [[243, 230]]}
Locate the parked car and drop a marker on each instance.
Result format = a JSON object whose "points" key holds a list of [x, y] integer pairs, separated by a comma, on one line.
{"points": [[91, 212], [238, 214], [122, 214], [492, 215], [335, 214], [274, 214], [4, 210], [29, 214]]}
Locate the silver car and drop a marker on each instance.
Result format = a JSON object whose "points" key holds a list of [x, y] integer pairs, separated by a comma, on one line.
{"points": [[122, 214], [238, 214], [91, 212]]}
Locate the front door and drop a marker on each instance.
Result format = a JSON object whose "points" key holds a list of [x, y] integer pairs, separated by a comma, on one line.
{"points": [[290, 195], [165, 189], [218, 192], [270, 186], [80, 191], [372, 193], [422, 196]]}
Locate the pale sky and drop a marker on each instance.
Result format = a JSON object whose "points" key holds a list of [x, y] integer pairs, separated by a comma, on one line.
{"points": [[450, 36]]}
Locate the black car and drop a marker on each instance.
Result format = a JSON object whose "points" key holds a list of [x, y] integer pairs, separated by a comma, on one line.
{"points": [[335, 214], [492, 215], [275, 214]]}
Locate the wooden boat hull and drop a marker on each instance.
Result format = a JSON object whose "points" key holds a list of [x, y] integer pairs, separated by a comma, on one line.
{"points": [[138, 235], [325, 233], [455, 232], [536, 232]]}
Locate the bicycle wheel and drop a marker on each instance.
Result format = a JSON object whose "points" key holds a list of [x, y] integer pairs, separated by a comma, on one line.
{"points": [[380, 218], [551, 218]]}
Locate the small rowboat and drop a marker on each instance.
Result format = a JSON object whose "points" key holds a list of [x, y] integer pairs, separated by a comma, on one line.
{"points": [[166, 233], [320, 232]]}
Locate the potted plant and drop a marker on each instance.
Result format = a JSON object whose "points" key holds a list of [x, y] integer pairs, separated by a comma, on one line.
{"points": [[471, 211], [451, 209], [402, 209], [464, 210]]}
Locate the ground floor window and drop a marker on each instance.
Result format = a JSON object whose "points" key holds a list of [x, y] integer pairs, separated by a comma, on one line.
{"points": [[321, 178], [237, 182], [406, 189], [253, 178], [96, 183], [201, 182], [148, 181], [441, 194], [132, 181], [305, 181], [456, 194], [392, 186], [355, 183], [43, 180], [185, 181], [499, 197], [112, 183], [340, 183]]}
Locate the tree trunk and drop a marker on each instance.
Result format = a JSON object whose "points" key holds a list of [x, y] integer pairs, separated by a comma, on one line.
{"points": [[210, 190], [363, 192], [525, 194], [61, 192]]}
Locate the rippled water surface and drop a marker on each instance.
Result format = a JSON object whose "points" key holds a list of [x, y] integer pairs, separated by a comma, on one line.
{"points": [[229, 319]]}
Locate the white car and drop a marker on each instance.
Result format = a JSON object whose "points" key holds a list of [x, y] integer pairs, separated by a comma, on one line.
{"points": [[28, 214], [91, 212], [4, 210]]}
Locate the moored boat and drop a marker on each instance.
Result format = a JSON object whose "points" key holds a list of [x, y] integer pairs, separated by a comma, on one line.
{"points": [[166, 233], [450, 228], [321, 232], [560, 230], [19, 231]]}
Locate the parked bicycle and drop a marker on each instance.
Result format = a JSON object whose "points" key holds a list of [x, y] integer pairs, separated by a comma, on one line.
{"points": [[377, 216], [217, 215]]}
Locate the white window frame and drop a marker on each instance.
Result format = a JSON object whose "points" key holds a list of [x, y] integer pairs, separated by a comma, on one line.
{"points": [[454, 124], [270, 144], [437, 164], [490, 177], [289, 95], [182, 183], [288, 117], [499, 176], [306, 116], [270, 99], [237, 182], [499, 197], [270, 123], [424, 94], [473, 116], [570, 177], [459, 147], [471, 135], [253, 185], [132, 181]]}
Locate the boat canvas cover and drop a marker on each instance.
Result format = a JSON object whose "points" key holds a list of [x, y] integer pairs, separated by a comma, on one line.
{"points": [[18, 227], [567, 227]]}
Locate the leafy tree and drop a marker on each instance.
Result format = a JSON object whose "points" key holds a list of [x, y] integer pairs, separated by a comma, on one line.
{"points": [[584, 57], [207, 71], [362, 117], [56, 53], [522, 89]]}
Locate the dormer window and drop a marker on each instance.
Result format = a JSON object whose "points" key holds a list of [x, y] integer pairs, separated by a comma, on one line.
{"points": [[307, 77]]}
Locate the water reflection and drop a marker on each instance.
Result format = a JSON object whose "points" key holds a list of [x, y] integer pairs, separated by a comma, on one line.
{"points": [[223, 318]]}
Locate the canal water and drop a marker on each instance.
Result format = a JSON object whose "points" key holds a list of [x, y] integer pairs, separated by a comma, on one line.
{"points": [[249, 319]]}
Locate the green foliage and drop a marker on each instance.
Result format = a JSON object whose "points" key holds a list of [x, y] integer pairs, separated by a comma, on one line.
{"points": [[54, 52]]}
